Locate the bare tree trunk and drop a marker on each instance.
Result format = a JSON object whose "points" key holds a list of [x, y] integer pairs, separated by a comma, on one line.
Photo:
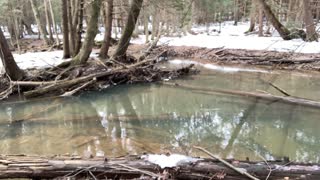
{"points": [[129, 28], [299, 14], [49, 22], [92, 31], [10, 66], [155, 22], [71, 29], [318, 15], [108, 29], [253, 14], [291, 17], [41, 27], [283, 31], [66, 47], [27, 26], [79, 27], [75, 22], [260, 22], [54, 22], [308, 19], [17, 32], [146, 24], [236, 12]]}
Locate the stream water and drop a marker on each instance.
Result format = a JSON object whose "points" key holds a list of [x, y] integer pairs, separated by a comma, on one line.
{"points": [[157, 118]]}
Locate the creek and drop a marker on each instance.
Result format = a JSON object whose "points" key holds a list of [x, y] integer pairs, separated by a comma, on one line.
{"points": [[154, 118]]}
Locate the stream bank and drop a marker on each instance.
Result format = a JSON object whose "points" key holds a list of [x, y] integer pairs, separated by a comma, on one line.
{"points": [[271, 60]]}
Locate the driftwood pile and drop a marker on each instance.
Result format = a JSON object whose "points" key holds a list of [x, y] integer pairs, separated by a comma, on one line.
{"points": [[92, 76], [135, 167]]}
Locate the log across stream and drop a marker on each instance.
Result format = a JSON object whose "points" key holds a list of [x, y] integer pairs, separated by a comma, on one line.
{"points": [[132, 167]]}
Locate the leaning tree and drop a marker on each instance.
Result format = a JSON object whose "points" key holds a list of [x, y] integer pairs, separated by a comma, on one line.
{"points": [[92, 31], [10, 66], [282, 30], [123, 45]]}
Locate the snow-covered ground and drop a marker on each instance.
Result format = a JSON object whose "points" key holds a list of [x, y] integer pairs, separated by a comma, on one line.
{"points": [[38, 59], [170, 161], [233, 37]]}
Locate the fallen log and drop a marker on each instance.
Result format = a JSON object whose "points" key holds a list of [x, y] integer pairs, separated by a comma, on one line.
{"points": [[56, 85], [133, 167], [269, 97]]}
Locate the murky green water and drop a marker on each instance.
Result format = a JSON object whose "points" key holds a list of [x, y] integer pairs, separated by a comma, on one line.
{"points": [[158, 119]]}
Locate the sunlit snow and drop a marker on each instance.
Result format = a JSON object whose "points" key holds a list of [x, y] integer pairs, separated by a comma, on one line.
{"points": [[172, 160]]}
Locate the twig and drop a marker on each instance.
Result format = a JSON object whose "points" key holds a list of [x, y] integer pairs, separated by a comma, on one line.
{"points": [[117, 62], [279, 89], [92, 175], [102, 63], [226, 163], [33, 83], [275, 87], [63, 72], [82, 170], [70, 93], [265, 161], [6, 92], [141, 171]]}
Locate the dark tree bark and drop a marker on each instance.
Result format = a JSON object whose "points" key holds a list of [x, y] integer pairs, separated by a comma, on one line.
{"points": [[75, 21], [261, 15], [236, 12], [283, 31], [71, 28], [108, 29], [92, 31], [123, 45], [79, 28], [66, 47], [10, 66], [41, 26], [27, 26], [308, 19]]}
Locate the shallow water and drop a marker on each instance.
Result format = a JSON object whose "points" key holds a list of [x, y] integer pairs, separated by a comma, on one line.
{"points": [[157, 119]]}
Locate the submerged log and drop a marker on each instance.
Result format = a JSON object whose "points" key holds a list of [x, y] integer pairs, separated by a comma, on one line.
{"points": [[263, 96], [136, 167]]}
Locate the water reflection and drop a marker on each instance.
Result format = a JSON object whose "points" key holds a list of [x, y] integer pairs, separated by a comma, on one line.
{"points": [[158, 119]]}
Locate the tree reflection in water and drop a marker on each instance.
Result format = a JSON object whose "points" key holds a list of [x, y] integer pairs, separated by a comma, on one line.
{"points": [[158, 119]]}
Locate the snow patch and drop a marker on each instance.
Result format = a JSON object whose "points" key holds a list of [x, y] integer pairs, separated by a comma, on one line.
{"points": [[170, 161], [1, 68], [38, 59], [216, 67], [234, 37]]}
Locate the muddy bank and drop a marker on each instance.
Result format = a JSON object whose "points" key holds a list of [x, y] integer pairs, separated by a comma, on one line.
{"points": [[264, 59]]}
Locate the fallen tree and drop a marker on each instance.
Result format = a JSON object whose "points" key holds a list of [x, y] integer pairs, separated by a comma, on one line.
{"points": [[133, 167], [277, 60], [263, 96]]}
